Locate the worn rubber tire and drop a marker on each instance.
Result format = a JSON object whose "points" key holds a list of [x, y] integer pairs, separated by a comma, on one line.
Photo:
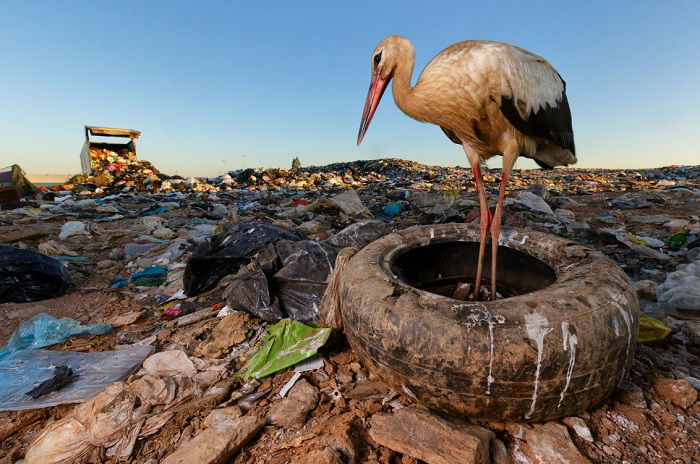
{"points": [[538, 356]]}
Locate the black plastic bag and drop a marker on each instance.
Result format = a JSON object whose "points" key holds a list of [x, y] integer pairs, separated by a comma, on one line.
{"points": [[29, 276], [249, 292], [301, 281], [228, 250]]}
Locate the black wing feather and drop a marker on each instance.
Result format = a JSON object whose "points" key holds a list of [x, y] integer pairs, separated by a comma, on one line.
{"points": [[549, 123], [451, 135]]}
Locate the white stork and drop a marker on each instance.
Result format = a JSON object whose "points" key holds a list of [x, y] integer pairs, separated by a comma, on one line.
{"points": [[492, 98]]}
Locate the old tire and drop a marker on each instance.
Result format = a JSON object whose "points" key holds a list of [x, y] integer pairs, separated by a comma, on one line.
{"points": [[538, 356]]}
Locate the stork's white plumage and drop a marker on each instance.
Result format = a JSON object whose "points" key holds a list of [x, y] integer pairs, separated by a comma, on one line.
{"points": [[492, 98]]}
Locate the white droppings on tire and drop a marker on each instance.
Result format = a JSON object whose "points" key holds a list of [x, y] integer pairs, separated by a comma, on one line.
{"points": [[536, 326], [510, 237], [618, 301], [489, 378], [479, 315], [570, 341]]}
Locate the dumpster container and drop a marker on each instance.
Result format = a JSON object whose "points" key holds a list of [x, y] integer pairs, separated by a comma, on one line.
{"points": [[91, 148]]}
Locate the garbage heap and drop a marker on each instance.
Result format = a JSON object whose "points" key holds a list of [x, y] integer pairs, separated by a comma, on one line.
{"points": [[211, 285], [118, 170]]}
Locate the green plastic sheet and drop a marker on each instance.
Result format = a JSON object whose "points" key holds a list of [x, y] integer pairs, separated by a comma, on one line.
{"points": [[285, 344]]}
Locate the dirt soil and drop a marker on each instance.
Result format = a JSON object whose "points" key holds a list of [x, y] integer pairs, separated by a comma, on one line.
{"points": [[653, 417]]}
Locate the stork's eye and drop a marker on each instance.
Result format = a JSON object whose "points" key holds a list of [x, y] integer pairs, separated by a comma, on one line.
{"points": [[377, 58]]}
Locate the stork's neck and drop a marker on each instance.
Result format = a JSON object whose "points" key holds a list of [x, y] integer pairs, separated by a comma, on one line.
{"points": [[403, 92]]}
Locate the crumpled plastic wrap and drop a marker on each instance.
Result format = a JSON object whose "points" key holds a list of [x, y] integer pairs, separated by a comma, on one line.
{"points": [[228, 250], [44, 330]]}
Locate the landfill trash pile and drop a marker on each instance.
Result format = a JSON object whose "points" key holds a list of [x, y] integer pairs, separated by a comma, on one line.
{"points": [[114, 170], [212, 289]]}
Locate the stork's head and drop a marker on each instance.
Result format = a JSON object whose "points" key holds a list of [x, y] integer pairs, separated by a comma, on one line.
{"points": [[383, 63]]}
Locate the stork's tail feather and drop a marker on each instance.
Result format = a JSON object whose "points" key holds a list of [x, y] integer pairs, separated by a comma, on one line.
{"points": [[549, 156]]}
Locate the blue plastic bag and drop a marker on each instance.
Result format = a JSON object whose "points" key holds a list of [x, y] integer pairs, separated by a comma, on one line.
{"points": [[43, 330]]}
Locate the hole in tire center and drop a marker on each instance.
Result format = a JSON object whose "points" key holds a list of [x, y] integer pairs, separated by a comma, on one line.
{"points": [[436, 268]]}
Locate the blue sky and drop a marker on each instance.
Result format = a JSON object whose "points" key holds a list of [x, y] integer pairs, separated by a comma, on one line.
{"points": [[207, 82]]}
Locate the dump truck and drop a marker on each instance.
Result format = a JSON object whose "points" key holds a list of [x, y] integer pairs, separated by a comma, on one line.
{"points": [[91, 147]]}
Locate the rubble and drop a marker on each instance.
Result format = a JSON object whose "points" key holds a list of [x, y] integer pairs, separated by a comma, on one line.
{"points": [[131, 266], [425, 436]]}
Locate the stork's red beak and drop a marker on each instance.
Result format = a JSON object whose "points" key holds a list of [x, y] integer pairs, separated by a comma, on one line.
{"points": [[376, 90]]}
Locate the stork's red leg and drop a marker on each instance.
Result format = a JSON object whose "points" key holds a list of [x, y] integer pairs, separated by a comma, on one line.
{"points": [[485, 223], [496, 230]]}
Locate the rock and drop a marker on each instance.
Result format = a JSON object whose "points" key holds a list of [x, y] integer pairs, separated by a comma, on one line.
{"points": [[565, 215], [499, 452], [629, 393], [694, 254], [650, 219], [565, 202], [429, 438], [546, 443], [534, 202], [364, 390], [230, 332], [678, 392], [645, 289], [105, 264], [578, 427], [218, 417], [53, 248], [218, 444], [169, 363], [323, 456], [348, 203], [163, 233], [292, 410], [676, 224], [149, 223], [540, 190]]}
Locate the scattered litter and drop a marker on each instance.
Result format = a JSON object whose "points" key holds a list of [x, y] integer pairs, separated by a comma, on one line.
{"points": [[29, 276], [71, 228], [62, 376], [43, 330], [285, 344], [23, 372], [651, 329]]}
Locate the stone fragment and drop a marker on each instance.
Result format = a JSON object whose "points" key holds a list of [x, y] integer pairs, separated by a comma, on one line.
{"points": [[631, 394], [645, 289], [499, 452], [217, 444], [578, 427], [565, 215], [678, 392], [545, 443], [364, 390], [322, 456], [230, 332], [540, 190], [427, 437], [220, 416], [292, 410], [163, 233]]}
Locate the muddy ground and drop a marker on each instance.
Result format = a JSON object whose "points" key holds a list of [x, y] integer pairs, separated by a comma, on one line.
{"points": [[329, 415]]}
